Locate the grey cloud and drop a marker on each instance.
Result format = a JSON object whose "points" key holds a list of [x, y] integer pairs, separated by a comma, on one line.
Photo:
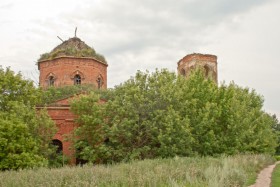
{"points": [[138, 24], [131, 13]]}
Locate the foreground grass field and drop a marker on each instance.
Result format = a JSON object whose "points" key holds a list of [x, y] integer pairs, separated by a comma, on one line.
{"points": [[190, 172], [275, 181]]}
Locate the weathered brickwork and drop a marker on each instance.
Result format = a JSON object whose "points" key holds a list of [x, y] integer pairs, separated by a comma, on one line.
{"points": [[64, 69], [192, 61], [64, 119]]}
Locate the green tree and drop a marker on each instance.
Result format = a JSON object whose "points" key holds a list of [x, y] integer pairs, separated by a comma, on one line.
{"points": [[90, 133], [139, 121], [19, 149], [198, 103], [276, 128], [243, 126], [164, 115], [25, 133], [14, 88]]}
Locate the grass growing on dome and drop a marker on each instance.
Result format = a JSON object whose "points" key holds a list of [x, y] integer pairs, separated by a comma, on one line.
{"points": [[73, 47], [71, 51]]}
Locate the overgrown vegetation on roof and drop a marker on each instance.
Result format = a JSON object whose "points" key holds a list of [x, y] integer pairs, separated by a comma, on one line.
{"points": [[72, 47], [53, 94]]}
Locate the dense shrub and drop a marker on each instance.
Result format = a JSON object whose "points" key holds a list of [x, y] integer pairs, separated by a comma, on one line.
{"points": [[25, 133], [163, 115]]}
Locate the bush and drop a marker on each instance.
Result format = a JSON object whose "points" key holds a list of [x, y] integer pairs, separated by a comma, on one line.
{"points": [[25, 133], [162, 115]]}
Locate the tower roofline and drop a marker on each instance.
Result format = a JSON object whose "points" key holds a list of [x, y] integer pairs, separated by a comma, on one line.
{"points": [[71, 57], [72, 47], [195, 56]]}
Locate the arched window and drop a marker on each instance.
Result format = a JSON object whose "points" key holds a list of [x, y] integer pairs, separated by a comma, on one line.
{"points": [[206, 70], [99, 82], [77, 80], [192, 68], [58, 145], [183, 72], [51, 80]]}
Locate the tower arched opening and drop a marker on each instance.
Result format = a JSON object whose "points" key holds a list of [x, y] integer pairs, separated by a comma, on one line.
{"points": [[206, 71], [58, 144], [77, 80], [51, 81]]}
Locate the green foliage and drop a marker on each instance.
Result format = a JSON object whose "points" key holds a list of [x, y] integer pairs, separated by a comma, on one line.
{"points": [[25, 133], [276, 128], [52, 94], [73, 47], [164, 115], [277, 157], [91, 132], [58, 160], [190, 172], [25, 137], [275, 179], [14, 88], [18, 148]]}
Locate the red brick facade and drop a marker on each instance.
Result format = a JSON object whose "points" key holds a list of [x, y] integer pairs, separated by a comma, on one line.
{"points": [[64, 119], [62, 71]]}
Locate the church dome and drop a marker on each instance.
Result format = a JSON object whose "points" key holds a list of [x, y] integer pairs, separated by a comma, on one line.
{"points": [[73, 47]]}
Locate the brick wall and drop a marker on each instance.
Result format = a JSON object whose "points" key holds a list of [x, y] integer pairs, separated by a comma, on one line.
{"points": [[64, 120], [63, 69], [206, 61]]}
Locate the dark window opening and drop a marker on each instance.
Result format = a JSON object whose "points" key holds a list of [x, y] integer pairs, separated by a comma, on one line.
{"points": [[99, 82], [51, 81], [207, 70], [58, 145], [56, 159], [183, 72], [77, 80]]}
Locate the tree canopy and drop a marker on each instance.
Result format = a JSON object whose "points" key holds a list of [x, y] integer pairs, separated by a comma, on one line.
{"points": [[25, 133], [163, 115], [14, 88]]}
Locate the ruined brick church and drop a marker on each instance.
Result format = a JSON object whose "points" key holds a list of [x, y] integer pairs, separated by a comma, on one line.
{"points": [[73, 62]]}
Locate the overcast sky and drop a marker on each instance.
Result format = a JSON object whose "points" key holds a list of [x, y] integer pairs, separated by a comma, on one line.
{"points": [[147, 34]]}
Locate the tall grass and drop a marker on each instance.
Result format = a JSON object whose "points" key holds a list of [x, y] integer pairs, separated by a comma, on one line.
{"points": [[193, 172]]}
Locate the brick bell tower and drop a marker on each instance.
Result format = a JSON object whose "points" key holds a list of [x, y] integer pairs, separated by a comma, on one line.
{"points": [[72, 63], [192, 61]]}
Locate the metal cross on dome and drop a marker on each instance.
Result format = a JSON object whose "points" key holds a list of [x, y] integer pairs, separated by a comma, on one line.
{"points": [[75, 32]]}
